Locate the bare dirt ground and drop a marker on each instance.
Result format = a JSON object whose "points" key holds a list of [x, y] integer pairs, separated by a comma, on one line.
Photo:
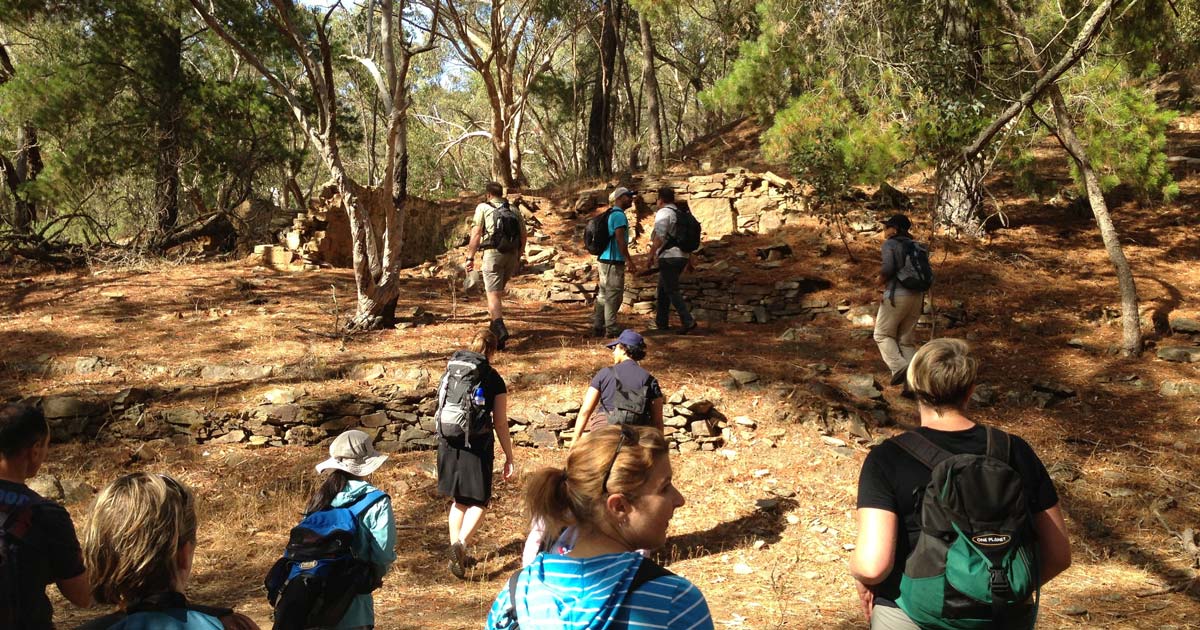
{"points": [[1044, 280]]}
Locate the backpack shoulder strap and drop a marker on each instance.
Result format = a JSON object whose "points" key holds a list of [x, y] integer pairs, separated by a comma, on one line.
{"points": [[999, 444], [365, 502], [923, 450], [647, 571]]}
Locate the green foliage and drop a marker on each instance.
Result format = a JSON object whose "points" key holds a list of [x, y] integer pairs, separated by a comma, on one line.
{"points": [[1124, 130]]}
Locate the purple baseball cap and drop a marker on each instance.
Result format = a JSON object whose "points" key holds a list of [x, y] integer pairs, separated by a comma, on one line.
{"points": [[628, 338]]}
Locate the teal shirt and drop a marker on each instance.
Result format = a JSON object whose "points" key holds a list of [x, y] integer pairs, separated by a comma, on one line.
{"points": [[616, 220], [376, 541]]}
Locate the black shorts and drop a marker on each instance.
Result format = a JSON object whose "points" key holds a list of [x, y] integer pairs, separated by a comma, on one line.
{"points": [[466, 473]]}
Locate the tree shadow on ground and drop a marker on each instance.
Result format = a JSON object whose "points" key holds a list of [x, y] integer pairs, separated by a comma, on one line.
{"points": [[765, 524]]}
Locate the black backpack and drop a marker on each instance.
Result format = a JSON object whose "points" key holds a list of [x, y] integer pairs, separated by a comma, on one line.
{"points": [[462, 412], [506, 229], [647, 571], [686, 235], [630, 405], [14, 525], [596, 235], [913, 271], [975, 563], [319, 575]]}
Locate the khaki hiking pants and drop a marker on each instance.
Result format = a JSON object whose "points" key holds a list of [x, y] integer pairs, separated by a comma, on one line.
{"points": [[610, 291], [894, 326]]}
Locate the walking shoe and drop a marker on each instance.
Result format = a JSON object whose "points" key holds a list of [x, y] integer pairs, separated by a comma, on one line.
{"points": [[598, 332], [688, 328], [458, 555], [612, 332], [901, 376]]}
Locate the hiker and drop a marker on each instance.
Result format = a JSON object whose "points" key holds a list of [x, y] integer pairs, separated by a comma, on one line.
{"points": [[499, 230], [36, 534], [472, 405], [895, 561], [904, 278], [611, 264], [616, 490], [672, 260], [139, 550], [345, 504], [621, 393]]}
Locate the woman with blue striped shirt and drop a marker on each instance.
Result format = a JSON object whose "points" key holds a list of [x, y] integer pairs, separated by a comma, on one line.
{"points": [[616, 490]]}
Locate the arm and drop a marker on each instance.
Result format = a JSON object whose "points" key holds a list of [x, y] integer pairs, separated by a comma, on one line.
{"points": [[500, 424], [473, 246], [1054, 546], [585, 411], [77, 590], [237, 621], [381, 524], [656, 407], [887, 267], [623, 247], [875, 548]]}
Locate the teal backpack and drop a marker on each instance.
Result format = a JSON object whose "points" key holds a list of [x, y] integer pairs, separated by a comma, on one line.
{"points": [[975, 564]]}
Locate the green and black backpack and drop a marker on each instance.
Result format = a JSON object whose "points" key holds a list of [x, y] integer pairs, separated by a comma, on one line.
{"points": [[976, 560]]}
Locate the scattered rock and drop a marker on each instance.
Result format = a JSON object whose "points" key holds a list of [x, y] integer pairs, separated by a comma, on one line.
{"points": [[1057, 389], [284, 395], [67, 407], [742, 568], [862, 386], [984, 396], [48, 486], [233, 437], [236, 372], [745, 421], [367, 372], [766, 505], [1185, 325], [832, 441], [1180, 389], [1180, 354], [76, 491], [743, 377]]}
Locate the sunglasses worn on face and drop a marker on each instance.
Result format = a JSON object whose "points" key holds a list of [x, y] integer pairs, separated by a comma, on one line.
{"points": [[626, 434]]}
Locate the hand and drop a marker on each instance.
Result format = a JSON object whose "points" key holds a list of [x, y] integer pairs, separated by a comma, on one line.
{"points": [[238, 621], [471, 264], [866, 598], [509, 468]]}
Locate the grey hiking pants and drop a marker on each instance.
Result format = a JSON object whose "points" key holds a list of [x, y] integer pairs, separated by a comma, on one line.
{"points": [[610, 292]]}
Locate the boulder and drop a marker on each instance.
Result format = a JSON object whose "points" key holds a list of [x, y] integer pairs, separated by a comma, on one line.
{"points": [[716, 215], [67, 407]]}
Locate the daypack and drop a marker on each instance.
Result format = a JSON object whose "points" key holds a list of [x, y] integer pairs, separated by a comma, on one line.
{"points": [[319, 575], [630, 405], [596, 235], [161, 602], [14, 525], [461, 412], [914, 271], [647, 571], [686, 235], [506, 229], [975, 563]]}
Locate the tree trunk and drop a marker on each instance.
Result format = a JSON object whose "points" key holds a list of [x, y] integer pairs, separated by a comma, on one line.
{"points": [[650, 82], [599, 149], [960, 195], [502, 170], [1131, 329], [168, 74], [26, 169]]}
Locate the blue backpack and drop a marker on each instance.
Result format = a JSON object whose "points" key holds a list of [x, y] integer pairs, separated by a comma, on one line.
{"points": [[319, 575]]}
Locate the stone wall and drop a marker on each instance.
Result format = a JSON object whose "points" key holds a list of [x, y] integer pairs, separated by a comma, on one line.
{"points": [[736, 201], [398, 418]]}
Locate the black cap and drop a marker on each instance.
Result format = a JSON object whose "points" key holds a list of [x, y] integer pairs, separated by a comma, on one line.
{"points": [[899, 221]]}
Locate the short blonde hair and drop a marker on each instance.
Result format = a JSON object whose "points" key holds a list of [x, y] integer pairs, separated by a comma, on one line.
{"points": [[485, 342], [137, 528], [942, 373]]}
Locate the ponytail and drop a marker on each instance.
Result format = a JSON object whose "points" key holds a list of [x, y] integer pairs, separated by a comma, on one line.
{"points": [[546, 497], [323, 498]]}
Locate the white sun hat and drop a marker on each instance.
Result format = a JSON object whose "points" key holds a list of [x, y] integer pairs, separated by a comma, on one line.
{"points": [[353, 452]]}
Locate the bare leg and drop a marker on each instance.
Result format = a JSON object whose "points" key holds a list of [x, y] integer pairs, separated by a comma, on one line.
{"points": [[456, 522], [470, 521], [495, 304]]}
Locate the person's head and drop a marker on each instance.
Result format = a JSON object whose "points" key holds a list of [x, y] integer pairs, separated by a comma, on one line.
{"points": [[140, 539], [942, 374], [666, 196], [352, 455], [24, 439], [897, 224], [494, 190], [484, 342], [621, 197], [617, 481], [628, 345]]}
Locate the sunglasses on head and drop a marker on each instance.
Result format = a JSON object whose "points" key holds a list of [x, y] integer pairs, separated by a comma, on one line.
{"points": [[627, 434]]}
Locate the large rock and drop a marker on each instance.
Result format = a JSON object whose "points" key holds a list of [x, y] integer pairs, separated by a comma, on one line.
{"points": [[67, 407], [304, 434], [716, 216], [1180, 389], [862, 386], [76, 491], [1180, 354], [1185, 325], [48, 486]]}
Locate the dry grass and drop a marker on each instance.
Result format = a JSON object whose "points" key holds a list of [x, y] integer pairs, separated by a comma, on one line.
{"points": [[1027, 290]]}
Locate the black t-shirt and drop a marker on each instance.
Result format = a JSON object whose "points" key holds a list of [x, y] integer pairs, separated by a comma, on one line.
{"points": [[49, 552], [631, 374], [890, 478], [493, 385]]}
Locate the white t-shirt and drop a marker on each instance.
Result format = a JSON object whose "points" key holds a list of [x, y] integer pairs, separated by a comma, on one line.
{"points": [[664, 224]]}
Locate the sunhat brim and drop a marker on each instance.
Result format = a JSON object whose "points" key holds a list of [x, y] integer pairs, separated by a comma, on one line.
{"points": [[358, 468]]}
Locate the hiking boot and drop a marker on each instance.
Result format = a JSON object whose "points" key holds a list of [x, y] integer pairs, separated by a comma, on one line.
{"points": [[598, 332], [901, 376], [501, 331], [688, 328], [458, 557], [612, 333]]}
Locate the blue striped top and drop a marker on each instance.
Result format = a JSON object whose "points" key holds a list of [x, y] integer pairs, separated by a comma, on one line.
{"points": [[558, 591]]}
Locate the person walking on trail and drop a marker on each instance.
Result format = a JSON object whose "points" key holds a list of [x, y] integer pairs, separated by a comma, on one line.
{"points": [[959, 525], [38, 546], [472, 406], [499, 230], [139, 551], [616, 490], [903, 295], [672, 260], [623, 392], [612, 263]]}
